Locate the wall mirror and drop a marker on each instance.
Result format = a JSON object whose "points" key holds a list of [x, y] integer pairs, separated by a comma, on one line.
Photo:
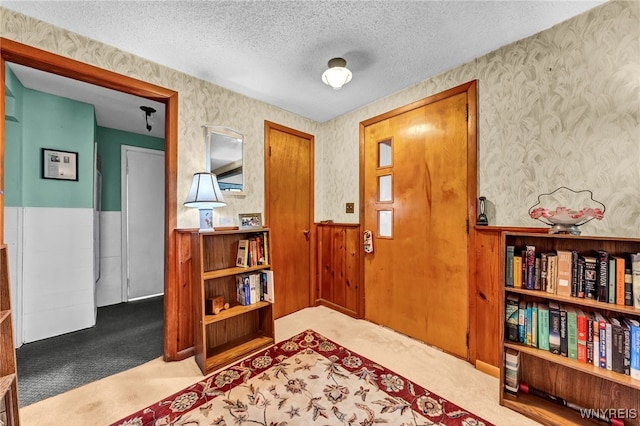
{"points": [[225, 148]]}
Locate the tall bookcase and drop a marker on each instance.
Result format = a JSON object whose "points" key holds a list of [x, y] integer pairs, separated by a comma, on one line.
{"points": [[240, 330], [8, 383], [579, 383]]}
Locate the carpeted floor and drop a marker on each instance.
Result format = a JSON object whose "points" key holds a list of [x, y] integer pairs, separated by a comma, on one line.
{"points": [[126, 335], [112, 398]]}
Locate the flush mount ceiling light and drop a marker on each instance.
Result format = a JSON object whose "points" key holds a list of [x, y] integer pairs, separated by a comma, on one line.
{"points": [[338, 74], [147, 115]]}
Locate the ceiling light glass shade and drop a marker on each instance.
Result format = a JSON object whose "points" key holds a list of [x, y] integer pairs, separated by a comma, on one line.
{"points": [[338, 74], [205, 192]]}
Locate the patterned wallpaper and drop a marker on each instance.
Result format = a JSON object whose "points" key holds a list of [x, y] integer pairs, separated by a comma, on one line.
{"points": [[200, 103], [561, 107]]}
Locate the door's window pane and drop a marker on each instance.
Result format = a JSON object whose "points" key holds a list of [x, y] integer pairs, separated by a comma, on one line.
{"points": [[384, 153], [385, 188], [385, 223]]}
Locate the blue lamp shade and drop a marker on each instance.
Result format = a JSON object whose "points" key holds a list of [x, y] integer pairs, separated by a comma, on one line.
{"points": [[204, 195]]}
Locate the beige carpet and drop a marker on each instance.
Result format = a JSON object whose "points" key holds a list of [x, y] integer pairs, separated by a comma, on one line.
{"points": [[110, 399]]}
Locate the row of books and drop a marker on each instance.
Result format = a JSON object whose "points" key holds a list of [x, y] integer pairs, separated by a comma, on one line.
{"points": [[598, 275], [253, 251], [606, 341], [255, 287]]}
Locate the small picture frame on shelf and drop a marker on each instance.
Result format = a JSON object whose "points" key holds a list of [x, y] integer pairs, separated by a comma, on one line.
{"points": [[250, 220], [62, 165]]}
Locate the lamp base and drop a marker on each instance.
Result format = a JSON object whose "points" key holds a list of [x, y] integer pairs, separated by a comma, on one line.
{"points": [[206, 219]]}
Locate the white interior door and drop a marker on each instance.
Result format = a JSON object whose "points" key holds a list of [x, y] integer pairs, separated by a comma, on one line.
{"points": [[143, 222]]}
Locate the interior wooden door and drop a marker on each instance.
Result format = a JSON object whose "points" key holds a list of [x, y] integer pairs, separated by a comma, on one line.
{"points": [[415, 203], [289, 214]]}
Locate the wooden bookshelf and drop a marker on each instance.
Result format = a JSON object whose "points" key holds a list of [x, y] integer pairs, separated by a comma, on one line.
{"points": [[8, 378], [236, 332], [580, 383]]}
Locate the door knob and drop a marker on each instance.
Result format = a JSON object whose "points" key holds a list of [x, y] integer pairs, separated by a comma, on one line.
{"points": [[306, 233]]}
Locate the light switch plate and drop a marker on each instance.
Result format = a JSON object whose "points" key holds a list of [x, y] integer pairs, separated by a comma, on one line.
{"points": [[350, 207]]}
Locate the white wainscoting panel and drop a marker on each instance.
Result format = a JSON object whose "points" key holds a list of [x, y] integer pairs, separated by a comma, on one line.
{"points": [[109, 286], [13, 239], [58, 282]]}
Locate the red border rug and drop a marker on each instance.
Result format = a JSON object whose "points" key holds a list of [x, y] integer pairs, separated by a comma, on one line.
{"points": [[306, 380]]}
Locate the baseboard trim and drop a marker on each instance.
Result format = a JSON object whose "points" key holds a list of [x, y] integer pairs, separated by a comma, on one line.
{"points": [[488, 368]]}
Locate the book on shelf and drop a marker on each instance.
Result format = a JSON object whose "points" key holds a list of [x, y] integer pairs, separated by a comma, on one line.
{"points": [[527, 323], [544, 268], [572, 333], [564, 341], [590, 283], [508, 263], [242, 257], [269, 289], [582, 329], [574, 273], [552, 273], [580, 277], [628, 287], [595, 333], [619, 279], [611, 280], [534, 324], [634, 344], [253, 252], [626, 345], [254, 296], [530, 259], [522, 313], [554, 328], [617, 345], [243, 296], [602, 340], [635, 278], [602, 275], [511, 317], [563, 287], [511, 370], [517, 271], [543, 326], [609, 342]]}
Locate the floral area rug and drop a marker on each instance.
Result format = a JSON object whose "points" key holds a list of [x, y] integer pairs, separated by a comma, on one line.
{"points": [[306, 380]]}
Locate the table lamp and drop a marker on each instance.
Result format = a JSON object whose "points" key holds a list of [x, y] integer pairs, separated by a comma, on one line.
{"points": [[205, 194]]}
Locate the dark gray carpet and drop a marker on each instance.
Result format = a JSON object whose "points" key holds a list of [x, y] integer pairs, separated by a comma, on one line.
{"points": [[125, 336]]}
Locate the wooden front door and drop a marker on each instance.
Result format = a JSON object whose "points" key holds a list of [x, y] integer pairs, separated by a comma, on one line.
{"points": [[415, 203], [289, 214]]}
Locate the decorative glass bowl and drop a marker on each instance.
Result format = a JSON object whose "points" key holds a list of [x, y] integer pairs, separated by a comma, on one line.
{"points": [[566, 220]]}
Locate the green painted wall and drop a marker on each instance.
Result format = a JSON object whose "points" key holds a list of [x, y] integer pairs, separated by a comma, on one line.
{"points": [[13, 140], [36, 120], [61, 124], [110, 142]]}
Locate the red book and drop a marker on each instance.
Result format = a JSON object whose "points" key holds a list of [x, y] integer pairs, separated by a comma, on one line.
{"points": [[583, 328]]}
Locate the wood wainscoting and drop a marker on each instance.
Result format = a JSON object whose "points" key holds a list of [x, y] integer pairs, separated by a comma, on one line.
{"points": [[338, 272], [485, 311], [184, 292]]}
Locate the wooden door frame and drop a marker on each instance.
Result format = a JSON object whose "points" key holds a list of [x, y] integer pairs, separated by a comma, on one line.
{"points": [[22, 54], [268, 125], [470, 89]]}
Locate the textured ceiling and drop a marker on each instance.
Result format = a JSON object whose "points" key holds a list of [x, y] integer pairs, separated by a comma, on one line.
{"points": [[276, 51]]}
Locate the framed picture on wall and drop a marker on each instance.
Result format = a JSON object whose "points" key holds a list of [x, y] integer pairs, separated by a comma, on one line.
{"points": [[250, 220], [58, 164]]}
